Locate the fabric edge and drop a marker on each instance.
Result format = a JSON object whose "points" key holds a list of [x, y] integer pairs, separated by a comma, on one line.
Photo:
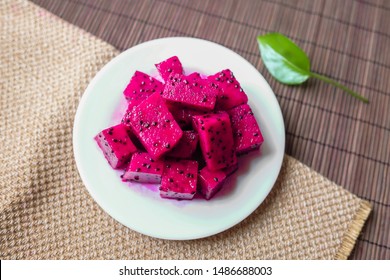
{"points": [[353, 231]]}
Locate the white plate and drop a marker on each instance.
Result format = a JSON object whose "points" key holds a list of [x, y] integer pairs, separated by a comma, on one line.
{"points": [[139, 207]]}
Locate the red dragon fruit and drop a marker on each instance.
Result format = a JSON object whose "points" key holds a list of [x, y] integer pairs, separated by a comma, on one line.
{"points": [[246, 131], [230, 94], [116, 145], [190, 91], [170, 66], [186, 146], [183, 116], [179, 179], [210, 182], [144, 169], [141, 86], [216, 140], [154, 126]]}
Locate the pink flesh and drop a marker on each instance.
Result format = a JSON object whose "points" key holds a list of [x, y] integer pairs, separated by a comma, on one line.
{"points": [[246, 131], [230, 94], [116, 145], [141, 86], [170, 66], [216, 140], [210, 182], [183, 116], [144, 169], [154, 126], [190, 91], [186, 146], [179, 179]]}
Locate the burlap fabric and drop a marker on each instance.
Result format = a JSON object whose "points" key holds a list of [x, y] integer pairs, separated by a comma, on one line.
{"points": [[47, 213]]}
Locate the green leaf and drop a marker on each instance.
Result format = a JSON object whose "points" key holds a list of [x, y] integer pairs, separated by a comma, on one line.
{"points": [[289, 64], [284, 60]]}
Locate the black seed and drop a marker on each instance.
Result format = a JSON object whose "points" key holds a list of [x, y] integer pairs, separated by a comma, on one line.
{"points": [[217, 79], [201, 122], [112, 151], [202, 128], [168, 166], [136, 178], [155, 144], [181, 171], [185, 82], [192, 192], [115, 140], [239, 134], [169, 70], [215, 179], [100, 136], [157, 169], [154, 123], [148, 166], [195, 84], [142, 83], [255, 134], [122, 176], [151, 160], [146, 125], [167, 146], [144, 164], [170, 180], [167, 120], [137, 169]]}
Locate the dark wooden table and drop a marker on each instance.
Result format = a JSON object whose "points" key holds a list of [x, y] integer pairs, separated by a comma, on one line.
{"points": [[338, 136]]}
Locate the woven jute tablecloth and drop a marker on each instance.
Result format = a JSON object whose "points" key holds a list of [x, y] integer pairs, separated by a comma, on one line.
{"points": [[47, 213]]}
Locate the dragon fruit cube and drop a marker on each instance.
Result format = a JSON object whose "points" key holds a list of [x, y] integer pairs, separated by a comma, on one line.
{"points": [[144, 169], [168, 67], [141, 86], [230, 94], [116, 145], [186, 146], [246, 131], [179, 179], [210, 182], [183, 116], [190, 91], [154, 126], [216, 140]]}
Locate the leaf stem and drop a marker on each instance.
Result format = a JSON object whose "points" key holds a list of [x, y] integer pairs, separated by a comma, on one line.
{"points": [[333, 82]]}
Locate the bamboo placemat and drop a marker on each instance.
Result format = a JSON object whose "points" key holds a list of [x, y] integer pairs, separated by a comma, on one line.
{"points": [[46, 212]]}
